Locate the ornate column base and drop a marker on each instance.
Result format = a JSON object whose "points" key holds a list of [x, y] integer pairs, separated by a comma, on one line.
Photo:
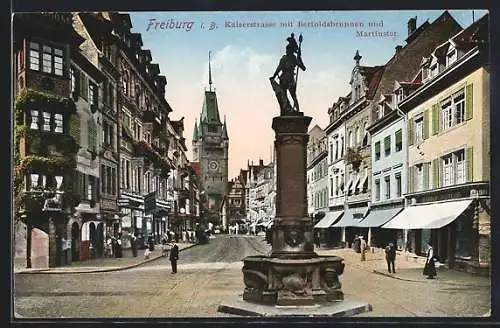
{"points": [[298, 282]]}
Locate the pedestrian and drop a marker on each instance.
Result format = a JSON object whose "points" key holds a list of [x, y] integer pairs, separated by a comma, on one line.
{"points": [[356, 244], [151, 244], [430, 266], [362, 248], [317, 239], [119, 246], [390, 257], [174, 256], [133, 244]]}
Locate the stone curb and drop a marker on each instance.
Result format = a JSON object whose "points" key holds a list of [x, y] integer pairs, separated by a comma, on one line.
{"points": [[55, 270], [416, 280]]}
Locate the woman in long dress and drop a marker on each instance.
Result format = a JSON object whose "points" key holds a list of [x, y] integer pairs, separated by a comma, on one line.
{"points": [[430, 267]]}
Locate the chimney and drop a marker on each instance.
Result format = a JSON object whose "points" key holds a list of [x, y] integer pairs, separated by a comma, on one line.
{"points": [[412, 25], [398, 48], [261, 162]]}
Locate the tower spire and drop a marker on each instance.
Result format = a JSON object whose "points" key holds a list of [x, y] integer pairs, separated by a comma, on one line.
{"points": [[209, 72]]}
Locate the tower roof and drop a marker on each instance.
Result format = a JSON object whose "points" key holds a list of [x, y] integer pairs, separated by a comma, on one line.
{"points": [[224, 129], [195, 131], [210, 111]]}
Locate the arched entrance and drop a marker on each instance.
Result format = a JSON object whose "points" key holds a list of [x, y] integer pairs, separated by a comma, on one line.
{"points": [[75, 242], [92, 239], [99, 240]]}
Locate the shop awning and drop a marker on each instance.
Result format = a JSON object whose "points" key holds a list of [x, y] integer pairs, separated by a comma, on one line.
{"points": [[378, 217], [352, 217], [328, 219], [430, 216]]}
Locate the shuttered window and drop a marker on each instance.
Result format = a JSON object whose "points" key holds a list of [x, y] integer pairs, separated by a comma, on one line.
{"points": [[470, 161], [435, 119], [74, 128], [410, 131], [399, 140], [426, 124], [468, 101], [92, 135]]}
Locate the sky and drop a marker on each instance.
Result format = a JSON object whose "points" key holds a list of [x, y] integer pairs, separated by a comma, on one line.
{"points": [[243, 59]]}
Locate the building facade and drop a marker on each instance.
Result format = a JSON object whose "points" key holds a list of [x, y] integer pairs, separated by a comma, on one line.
{"points": [[448, 154]]}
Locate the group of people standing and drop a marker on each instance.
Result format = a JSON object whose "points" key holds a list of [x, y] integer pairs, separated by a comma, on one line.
{"points": [[114, 246], [360, 246]]}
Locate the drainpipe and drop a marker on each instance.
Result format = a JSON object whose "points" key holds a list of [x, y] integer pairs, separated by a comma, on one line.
{"points": [[404, 116]]}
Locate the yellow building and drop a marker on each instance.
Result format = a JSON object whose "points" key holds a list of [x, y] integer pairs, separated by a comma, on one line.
{"points": [[447, 111]]}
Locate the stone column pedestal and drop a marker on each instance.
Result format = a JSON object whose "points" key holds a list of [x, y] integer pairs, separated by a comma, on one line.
{"points": [[292, 231], [293, 274]]}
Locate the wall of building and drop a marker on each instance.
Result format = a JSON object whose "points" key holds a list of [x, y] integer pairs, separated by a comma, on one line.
{"points": [[389, 166]]}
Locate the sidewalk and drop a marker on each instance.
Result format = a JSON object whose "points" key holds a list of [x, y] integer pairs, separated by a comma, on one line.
{"points": [[408, 269], [107, 264]]}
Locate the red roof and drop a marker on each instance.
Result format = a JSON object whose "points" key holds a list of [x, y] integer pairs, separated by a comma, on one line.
{"points": [[196, 167]]}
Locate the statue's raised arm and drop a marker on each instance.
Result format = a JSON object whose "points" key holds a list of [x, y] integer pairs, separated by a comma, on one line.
{"points": [[291, 61]]}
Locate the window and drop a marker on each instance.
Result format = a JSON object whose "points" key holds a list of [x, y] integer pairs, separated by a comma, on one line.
{"points": [[399, 140], [367, 136], [336, 149], [125, 84], [58, 122], [387, 145], [72, 77], [336, 185], [399, 95], [451, 57], [34, 56], [46, 121], [419, 129], [34, 120], [358, 136], [453, 111], [108, 180], [113, 181], [351, 139], [103, 179], [331, 153], [387, 181], [93, 97], [434, 70], [453, 168], [377, 189], [419, 177], [377, 150], [341, 146], [331, 187], [51, 58], [397, 177]]}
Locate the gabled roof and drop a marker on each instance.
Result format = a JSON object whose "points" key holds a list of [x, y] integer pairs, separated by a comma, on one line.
{"points": [[405, 63], [476, 33]]}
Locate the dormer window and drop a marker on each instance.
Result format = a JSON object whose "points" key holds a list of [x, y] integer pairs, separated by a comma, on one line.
{"points": [[434, 70], [399, 95], [451, 57]]}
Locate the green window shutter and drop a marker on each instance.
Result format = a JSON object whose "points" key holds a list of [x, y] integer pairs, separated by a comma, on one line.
{"points": [[435, 172], [411, 177], [468, 101], [410, 131], [377, 147], [470, 159], [91, 134], [426, 176], [435, 119], [426, 124], [74, 128]]}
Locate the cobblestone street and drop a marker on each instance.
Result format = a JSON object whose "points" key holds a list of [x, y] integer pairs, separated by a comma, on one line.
{"points": [[210, 274]]}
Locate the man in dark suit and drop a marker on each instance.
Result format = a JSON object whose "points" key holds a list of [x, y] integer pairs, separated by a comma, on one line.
{"points": [[174, 256], [390, 257]]}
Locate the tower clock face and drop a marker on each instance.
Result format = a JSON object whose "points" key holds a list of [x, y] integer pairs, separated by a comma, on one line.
{"points": [[212, 165]]}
